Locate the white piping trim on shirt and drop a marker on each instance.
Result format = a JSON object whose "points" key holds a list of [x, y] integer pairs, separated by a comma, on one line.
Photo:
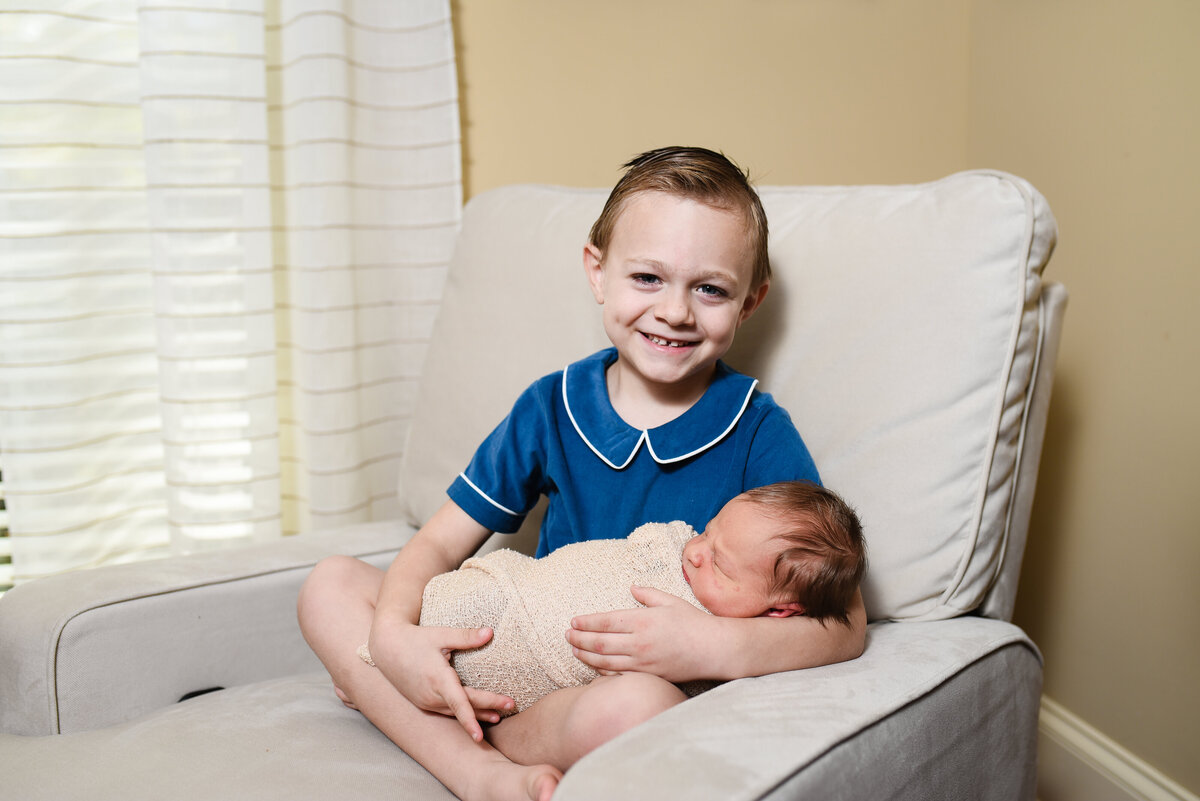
{"points": [[484, 495], [583, 436], [715, 440], [645, 437]]}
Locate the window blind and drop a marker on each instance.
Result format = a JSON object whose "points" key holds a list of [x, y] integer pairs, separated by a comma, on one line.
{"points": [[223, 236]]}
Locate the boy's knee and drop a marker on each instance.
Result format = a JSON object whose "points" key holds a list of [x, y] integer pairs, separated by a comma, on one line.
{"points": [[334, 569], [333, 575], [615, 704]]}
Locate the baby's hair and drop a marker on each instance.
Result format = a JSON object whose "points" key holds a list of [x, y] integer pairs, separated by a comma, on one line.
{"points": [[825, 557], [697, 174]]}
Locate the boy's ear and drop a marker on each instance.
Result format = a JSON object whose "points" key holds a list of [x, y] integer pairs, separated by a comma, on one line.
{"points": [[593, 267], [785, 610], [753, 301]]}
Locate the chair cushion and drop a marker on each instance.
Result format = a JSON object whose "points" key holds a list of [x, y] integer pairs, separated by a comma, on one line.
{"points": [[901, 332], [283, 739]]}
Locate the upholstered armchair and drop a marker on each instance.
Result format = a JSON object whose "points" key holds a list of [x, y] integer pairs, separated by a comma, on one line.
{"points": [[910, 334]]}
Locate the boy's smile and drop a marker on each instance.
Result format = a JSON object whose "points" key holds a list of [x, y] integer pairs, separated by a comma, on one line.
{"points": [[675, 287], [667, 343]]}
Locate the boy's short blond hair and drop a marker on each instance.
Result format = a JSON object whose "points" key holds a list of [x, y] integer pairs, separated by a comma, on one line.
{"points": [[698, 174]]}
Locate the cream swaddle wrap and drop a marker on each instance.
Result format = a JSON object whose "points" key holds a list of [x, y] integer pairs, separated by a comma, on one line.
{"points": [[529, 603]]}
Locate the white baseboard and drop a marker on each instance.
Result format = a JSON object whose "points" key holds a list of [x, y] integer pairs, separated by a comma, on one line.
{"points": [[1078, 763]]}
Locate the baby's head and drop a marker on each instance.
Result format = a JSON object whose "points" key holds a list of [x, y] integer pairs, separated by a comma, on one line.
{"points": [[692, 173], [783, 549]]}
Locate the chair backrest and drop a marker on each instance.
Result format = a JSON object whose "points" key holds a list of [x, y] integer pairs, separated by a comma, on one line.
{"points": [[907, 330]]}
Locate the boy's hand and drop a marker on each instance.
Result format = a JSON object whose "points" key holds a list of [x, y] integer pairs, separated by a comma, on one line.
{"points": [[660, 639], [416, 660]]}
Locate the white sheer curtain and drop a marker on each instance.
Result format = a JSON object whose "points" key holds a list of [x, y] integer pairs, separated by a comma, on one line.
{"points": [[223, 232]]}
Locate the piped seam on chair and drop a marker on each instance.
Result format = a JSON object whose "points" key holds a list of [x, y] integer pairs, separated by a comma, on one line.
{"points": [[998, 413], [1002, 555]]}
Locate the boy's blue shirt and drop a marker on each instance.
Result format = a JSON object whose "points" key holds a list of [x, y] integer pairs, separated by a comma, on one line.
{"points": [[604, 478]]}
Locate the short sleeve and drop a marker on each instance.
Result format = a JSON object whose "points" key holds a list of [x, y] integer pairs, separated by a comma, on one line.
{"points": [[777, 452], [505, 477]]}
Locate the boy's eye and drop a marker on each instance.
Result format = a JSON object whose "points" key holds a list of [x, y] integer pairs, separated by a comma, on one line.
{"points": [[646, 278], [712, 291]]}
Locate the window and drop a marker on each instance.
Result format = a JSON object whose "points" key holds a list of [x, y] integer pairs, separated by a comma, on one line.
{"points": [[223, 235]]}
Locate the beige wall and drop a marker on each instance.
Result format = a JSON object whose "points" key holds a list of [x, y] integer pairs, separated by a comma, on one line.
{"points": [[1098, 103], [564, 91], [1095, 102]]}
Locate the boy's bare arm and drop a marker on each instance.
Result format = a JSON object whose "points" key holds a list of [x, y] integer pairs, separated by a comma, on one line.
{"points": [[441, 545], [756, 647], [415, 659], [672, 639]]}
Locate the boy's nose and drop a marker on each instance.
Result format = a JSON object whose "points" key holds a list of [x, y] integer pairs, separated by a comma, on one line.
{"points": [[674, 309]]}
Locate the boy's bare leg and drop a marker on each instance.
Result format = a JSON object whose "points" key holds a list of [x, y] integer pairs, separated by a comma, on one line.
{"points": [[568, 724], [336, 607]]}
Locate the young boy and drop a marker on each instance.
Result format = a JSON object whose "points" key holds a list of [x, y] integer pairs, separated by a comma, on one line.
{"points": [[792, 548], [656, 428]]}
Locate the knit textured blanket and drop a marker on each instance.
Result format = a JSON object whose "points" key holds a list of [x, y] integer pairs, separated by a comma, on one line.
{"points": [[529, 603]]}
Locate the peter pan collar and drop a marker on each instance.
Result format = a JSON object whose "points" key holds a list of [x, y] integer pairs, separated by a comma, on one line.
{"points": [[707, 422]]}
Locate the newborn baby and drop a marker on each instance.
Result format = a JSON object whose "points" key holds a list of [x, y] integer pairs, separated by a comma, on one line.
{"points": [[789, 548]]}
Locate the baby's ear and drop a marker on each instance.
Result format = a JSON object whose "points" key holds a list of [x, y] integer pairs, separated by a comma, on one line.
{"points": [[785, 610]]}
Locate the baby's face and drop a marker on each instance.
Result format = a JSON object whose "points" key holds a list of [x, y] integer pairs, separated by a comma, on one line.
{"points": [[730, 566]]}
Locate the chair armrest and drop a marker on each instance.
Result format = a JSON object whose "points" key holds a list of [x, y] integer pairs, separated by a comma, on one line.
{"points": [[89, 649], [963, 693]]}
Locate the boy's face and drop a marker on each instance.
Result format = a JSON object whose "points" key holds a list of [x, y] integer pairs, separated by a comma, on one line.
{"points": [[731, 565], [675, 283]]}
